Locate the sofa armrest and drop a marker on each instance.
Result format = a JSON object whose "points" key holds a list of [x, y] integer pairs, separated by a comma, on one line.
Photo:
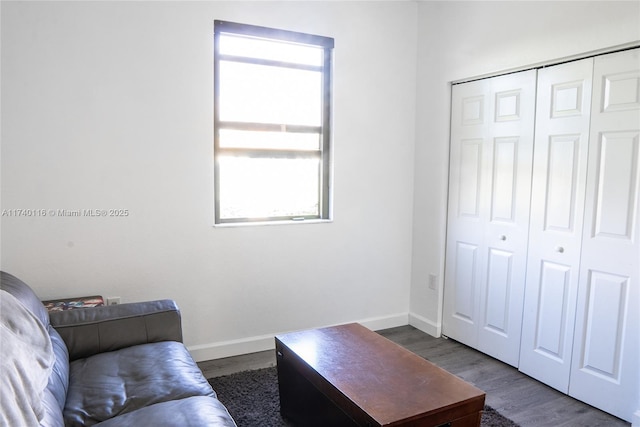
{"points": [[95, 330]]}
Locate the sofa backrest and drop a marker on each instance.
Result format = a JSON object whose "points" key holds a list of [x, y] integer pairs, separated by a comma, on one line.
{"points": [[56, 392]]}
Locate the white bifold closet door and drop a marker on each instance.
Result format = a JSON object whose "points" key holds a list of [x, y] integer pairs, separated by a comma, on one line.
{"points": [[605, 369], [488, 212], [557, 209], [542, 266], [580, 330]]}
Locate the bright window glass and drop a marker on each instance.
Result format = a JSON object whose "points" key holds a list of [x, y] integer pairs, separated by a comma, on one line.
{"points": [[252, 47], [267, 94], [268, 188]]}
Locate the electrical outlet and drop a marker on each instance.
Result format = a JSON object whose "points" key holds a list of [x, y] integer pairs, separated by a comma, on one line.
{"points": [[433, 281], [113, 300]]}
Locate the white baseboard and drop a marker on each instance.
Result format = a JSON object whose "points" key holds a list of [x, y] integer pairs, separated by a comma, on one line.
{"points": [[635, 421], [425, 325], [386, 322], [255, 344], [229, 348]]}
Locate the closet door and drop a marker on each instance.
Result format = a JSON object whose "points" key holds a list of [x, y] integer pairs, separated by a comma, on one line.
{"points": [[606, 362], [557, 206], [466, 210], [489, 186]]}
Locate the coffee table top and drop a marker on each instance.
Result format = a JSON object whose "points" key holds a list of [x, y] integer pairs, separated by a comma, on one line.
{"points": [[385, 380]]}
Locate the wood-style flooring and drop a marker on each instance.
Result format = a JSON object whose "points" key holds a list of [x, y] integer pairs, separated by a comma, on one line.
{"points": [[515, 395]]}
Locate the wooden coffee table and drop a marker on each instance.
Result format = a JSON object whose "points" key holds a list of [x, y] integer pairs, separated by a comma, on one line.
{"points": [[350, 376]]}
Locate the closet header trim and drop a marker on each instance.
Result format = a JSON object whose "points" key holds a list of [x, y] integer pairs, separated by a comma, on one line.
{"points": [[551, 63]]}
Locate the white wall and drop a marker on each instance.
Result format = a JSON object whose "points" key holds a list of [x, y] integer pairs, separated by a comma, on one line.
{"points": [[460, 40], [109, 105]]}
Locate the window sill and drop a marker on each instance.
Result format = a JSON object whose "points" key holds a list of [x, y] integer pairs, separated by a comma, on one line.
{"points": [[271, 223]]}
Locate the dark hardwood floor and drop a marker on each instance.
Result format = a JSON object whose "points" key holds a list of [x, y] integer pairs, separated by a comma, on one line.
{"points": [[515, 395]]}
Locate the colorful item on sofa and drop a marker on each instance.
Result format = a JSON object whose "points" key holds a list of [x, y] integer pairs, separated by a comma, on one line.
{"points": [[71, 303]]}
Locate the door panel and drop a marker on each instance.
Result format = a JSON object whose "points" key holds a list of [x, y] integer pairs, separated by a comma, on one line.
{"points": [[616, 185], [464, 305], [607, 299], [562, 181], [605, 369], [503, 197], [470, 168], [464, 253], [498, 289], [555, 233], [490, 179], [473, 107], [553, 311]]}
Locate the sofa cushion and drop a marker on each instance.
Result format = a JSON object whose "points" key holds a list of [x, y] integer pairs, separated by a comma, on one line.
{"points": [[26, 363], [195, 411], [122, 381]]}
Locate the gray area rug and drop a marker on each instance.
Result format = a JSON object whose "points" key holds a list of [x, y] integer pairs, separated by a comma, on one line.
{"points": [[253, 401]]}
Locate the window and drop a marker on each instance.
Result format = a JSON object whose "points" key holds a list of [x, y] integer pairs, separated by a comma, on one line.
{"points": [[272, 108]]}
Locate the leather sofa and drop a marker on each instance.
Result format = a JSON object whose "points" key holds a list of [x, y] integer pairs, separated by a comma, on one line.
{"points": [[121, 365]]}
